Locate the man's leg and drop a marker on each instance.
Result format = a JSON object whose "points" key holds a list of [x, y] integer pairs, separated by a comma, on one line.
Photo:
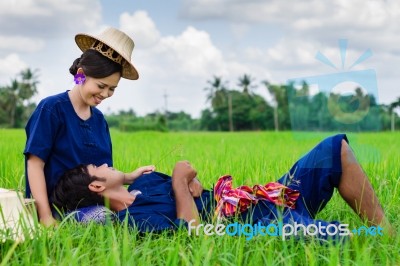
{"points": [[316, 175], [357, 191]]}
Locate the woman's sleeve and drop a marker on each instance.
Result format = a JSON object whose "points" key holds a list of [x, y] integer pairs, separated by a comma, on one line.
{"points": [[41, 132]]}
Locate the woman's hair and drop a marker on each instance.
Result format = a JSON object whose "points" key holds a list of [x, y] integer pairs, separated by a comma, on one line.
{"points": [[72, 190], [95, 65]]}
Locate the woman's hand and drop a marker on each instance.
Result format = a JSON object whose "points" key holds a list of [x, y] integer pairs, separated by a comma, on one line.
{"points": [[48, 221], [195, 188], [130, 177]]}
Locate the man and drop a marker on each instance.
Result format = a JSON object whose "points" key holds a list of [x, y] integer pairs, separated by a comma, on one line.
{"points": [[157, 202]]}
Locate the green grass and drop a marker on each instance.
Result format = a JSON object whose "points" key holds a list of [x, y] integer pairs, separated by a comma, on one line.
{"points": [[250, 157]]}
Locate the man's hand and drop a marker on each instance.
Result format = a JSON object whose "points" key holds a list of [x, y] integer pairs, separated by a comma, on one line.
{"points": [[195, 188], [130, 177], [183, 172]]}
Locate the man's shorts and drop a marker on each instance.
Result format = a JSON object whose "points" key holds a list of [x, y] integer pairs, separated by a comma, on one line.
{"points": [[316, 175]]}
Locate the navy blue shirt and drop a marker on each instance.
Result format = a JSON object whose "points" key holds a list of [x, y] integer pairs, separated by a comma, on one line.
{"points": [[155, 208], [57, 135]]}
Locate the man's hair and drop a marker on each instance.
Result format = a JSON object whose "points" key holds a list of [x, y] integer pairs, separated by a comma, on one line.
{"points": [[72, 190]]}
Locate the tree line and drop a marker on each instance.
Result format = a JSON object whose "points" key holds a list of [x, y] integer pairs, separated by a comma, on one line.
{"points": [[232, 108], [293, 108]]}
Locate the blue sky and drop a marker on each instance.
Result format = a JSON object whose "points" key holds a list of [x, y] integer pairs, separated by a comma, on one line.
{"points": [[181, 44]]}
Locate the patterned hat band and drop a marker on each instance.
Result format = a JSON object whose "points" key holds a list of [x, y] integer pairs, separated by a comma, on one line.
{"points": [[107, 51]]}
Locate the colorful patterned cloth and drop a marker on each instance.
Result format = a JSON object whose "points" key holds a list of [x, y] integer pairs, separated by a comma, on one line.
{"points": [[233, 200]]}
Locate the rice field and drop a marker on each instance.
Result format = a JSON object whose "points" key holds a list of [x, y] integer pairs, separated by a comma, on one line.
{"points": [[250, 157]]}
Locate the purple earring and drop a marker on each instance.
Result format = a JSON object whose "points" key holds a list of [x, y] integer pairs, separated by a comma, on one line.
{"points": [[79, 78]]}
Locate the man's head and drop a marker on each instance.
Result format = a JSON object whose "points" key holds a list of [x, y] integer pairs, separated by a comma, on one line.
{"points": [[84, 186]]}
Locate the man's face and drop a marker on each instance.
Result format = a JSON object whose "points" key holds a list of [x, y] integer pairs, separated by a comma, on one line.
{"points": [[113, 178]]}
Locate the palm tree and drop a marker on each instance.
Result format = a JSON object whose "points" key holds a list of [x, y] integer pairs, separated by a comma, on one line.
{"points": [[245, 82], [19, 92], [12, 100], [217, 92], [29, 82], [219, 96]]}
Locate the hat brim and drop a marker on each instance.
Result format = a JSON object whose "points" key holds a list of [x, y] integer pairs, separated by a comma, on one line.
{"points": [[85, 41]]}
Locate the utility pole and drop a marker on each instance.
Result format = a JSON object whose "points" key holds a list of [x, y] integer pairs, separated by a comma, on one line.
{"points": [[230, 111], [276, 123], [392, 121], [165, 102], [165, 106]]}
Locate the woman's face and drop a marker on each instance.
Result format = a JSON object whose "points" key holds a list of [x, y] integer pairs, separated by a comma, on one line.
{"points": [[94, 91]]}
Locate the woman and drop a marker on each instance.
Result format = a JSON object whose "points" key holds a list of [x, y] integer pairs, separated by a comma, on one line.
{"points": [[67, 129]]}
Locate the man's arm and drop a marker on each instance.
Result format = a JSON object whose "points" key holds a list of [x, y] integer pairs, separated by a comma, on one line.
{"points": [[182, 175], [195, 188]]}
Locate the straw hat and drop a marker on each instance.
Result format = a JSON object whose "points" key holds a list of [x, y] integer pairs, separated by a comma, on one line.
{"points": [[118, 42]]}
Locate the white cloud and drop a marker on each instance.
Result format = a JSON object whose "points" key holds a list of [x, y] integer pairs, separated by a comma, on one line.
{"points": [[291, 53], [191, 53], [361, 12], [200, 9], [175, 65], [141, 27], [39, 34], [48, 18], [10, 66], [371, 22], [20, 44], [22, 8], [309, 26]]}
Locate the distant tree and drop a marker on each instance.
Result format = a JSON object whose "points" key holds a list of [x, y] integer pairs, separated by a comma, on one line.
{"points": [[279, 101], [4, 109], [208, 121], [16, 98], [216, 92], [393, 106], [29, 82], [319, 118], [219, 98], [129, 113], [13, 100], [246, 113], [179, 121]]}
